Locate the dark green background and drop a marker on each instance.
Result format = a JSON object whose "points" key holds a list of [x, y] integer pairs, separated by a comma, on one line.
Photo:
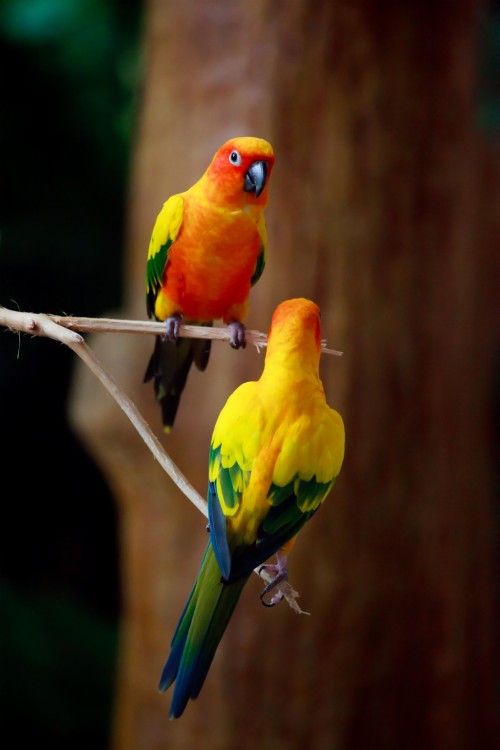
{"points": [[69, 79]]}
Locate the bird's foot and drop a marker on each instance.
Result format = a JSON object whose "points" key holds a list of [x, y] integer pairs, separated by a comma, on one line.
{"points": [[238, 338], [281, 574], [172, 324]]}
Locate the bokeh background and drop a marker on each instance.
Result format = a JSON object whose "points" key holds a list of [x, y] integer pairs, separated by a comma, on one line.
{"points": [[106, 108], [70, 81]]}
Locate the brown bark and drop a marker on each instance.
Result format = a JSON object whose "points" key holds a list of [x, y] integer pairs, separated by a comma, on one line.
{"points": [[382, 211]]}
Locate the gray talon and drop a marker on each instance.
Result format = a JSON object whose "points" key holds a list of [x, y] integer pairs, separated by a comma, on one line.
{"points": [[172, 324], [238, 338], [278, 596]]}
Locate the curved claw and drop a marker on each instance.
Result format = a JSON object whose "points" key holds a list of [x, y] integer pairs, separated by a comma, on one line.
{"points": [[172, 324], [238, 338], [272, 603], [278, 596]]}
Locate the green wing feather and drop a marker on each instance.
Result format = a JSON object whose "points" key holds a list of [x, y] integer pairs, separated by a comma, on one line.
{"points": [[229, 480], [290, 506], [165, 232], [259, 266], [225, 490], [261, 260]]}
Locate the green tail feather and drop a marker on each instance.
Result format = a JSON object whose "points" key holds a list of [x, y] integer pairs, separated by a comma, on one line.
{"points": [[169, 367], [200, 629]]}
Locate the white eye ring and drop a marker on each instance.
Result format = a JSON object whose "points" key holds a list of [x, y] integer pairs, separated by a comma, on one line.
{"points": [[235, 158]]}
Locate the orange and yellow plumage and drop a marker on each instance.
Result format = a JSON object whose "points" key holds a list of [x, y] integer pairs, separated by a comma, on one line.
{"points": [[206, 251], [276, 451]]}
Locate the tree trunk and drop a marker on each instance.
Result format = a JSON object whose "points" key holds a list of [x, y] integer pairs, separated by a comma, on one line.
{"points": [[381, 211]]}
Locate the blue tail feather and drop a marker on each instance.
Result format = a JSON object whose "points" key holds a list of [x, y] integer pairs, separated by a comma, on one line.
{"points": [[198, 633]]}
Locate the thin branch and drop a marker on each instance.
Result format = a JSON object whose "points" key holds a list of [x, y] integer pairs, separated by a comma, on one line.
{"points": [[112, 325], [140, 424], [38, 324]]}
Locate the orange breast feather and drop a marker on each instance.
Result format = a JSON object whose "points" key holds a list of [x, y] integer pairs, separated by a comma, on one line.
{"points": [[211, 263]]}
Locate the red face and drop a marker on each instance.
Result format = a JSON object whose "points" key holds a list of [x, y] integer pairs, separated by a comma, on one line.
{"points": [[241, 169]]}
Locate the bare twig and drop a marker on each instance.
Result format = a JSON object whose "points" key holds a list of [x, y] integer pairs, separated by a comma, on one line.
{"points": [[63, 329], [140, 424], [112, 325]]}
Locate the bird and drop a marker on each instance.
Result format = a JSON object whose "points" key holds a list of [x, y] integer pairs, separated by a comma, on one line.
{"points": [[275, 453], [207, 249]]}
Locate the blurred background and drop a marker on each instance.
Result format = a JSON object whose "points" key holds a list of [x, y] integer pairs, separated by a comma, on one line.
{"points": [[70, 80], [384, 208]]}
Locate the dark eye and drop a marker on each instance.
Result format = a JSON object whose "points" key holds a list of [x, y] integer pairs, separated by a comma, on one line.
{"points": [[235, 158]]}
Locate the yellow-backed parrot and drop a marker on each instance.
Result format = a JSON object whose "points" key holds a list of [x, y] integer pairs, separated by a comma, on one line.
{"points": [[276, 451]]}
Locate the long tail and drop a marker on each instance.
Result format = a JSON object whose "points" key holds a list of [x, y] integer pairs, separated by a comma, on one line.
{"points": [[169, 366], [198, 633]]}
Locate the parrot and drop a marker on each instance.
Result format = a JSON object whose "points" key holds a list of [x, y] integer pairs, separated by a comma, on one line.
{"points": [[275, 453], [207, 249]]}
